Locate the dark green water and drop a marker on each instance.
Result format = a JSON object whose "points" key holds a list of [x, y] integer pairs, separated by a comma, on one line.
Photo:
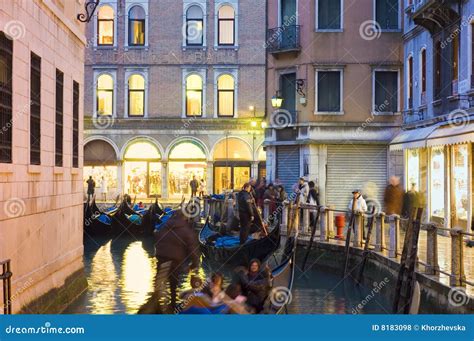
{"points": [[121, 274]]}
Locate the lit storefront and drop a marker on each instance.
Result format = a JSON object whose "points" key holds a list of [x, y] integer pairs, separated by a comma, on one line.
{"points": [[100, 162], [142, 170], [186, 160], [232, 164], [437, 175]]}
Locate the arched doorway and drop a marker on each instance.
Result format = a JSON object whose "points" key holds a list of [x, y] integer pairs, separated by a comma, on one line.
{"points": [[187, 159], [232, 164], [142, 170], [100, 162]]}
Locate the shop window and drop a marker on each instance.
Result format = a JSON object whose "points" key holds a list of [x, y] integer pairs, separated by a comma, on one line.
{"points": [[105, 26], [225, 95], [460, 181], [35, 110], [329, 15], [136, 95], [105, 95], [413, 169], [387, 14], [226, 26], [6, 91], [232, 149], [136, 26], [437, 182], [105, 178], [194, 87], [194, 26]]}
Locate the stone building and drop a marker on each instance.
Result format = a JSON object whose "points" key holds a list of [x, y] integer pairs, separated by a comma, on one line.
{"points": [[337, 68], [41, 94], [438, 131], [177, 91]]}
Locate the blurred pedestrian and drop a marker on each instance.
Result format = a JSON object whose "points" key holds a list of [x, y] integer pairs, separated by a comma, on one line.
{"points": [[411, 201], [194, 186], [90, 187], [104, 188], [393, 196]]}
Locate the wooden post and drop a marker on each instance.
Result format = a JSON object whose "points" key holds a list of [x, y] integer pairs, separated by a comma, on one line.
{"points": [[358, 231], [305, 226], [284, 216], [323, 224], [458, 278], [379, 233], [266, 209], [432, 266], [330, 220], [393, 244]]}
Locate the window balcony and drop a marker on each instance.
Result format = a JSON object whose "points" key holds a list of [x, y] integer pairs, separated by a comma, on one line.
{"points": [[434, 14], [410, 116], [283, 39]]}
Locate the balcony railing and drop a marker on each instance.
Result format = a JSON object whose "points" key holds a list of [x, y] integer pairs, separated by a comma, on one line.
{"points": [[410, 116], [283, 39]]}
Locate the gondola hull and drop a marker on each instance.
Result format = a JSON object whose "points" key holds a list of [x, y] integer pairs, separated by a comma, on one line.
{"points": [[240, 254]]}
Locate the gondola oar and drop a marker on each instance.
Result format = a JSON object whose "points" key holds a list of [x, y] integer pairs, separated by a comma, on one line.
{"points": [[313, 232], [370, 224], [348, 241]]}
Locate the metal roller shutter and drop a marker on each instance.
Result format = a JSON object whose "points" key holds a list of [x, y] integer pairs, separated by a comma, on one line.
{"points": [[288, 166], [355, 166]]}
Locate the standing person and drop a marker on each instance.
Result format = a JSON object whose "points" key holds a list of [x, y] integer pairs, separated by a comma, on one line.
{"points": [[357, 203], [303, 190], [194, 186], [271, 194], [202, 187], [90, 187], [260, 192], [313, 199], [393, 196], [246, 212], [253, 184], [411, 201], [104, 188]]}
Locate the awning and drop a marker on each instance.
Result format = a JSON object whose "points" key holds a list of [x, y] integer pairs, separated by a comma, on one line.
{"points": [[413, 138], [451, 134]]}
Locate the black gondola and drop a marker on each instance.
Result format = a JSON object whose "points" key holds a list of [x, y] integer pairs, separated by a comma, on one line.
{"points": [[133, 221], [238, 254], [96, 221]]}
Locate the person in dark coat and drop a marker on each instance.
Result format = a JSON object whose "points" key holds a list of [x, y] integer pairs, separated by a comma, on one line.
{"points": [[90, 188], [411, 201], [313, 199], [246, 211], [194, 184], [393, 197], [256, 284], [271, 194], [177, 242]]}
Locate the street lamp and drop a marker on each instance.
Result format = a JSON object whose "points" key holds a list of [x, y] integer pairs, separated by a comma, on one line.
{"points": [[277, 100], [89, 7]]}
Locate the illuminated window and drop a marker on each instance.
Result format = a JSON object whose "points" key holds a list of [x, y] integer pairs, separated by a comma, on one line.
{"points": [[105, 95], [194, 95], [461, 178], [194, 26], [232, 149], [136, 95], [142, 151], [226, 25], [413, 169], [105, 26], [187, 151], [437, 182], [225, 95], [136, 26]]}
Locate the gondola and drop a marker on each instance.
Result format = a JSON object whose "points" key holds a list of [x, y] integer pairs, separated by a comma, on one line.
{"points": [[97, 222], [227, 250], [276, 302], [136, 221]]}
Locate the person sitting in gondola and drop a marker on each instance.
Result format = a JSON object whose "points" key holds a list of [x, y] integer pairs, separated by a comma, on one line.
{"points": [[256, 284], [214, 288], [246, 212]]}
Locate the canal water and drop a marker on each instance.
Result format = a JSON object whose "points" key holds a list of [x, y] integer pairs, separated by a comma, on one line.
{"points": [[121, 272]]}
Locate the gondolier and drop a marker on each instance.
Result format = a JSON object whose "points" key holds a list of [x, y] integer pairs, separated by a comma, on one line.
{"points": [[246, 212]]}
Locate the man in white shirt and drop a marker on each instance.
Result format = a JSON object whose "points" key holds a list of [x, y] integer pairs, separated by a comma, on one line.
{"points": [[357, 203]]}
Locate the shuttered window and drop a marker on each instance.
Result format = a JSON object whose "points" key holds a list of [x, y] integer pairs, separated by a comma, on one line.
{"points": [[59, 117], [6, 123], [75, 124], [386, 14], [329, 91], [35, 110], [329, 14], [386, 91]]}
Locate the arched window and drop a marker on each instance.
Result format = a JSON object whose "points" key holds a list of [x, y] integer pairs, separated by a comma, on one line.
{"points": [[142, 150], [136, 95], [187, 150], [105, 95], [105, 26], [410, 82], [226, 25], [136, 26], [194, 26], [193, 95], [225, 95]]}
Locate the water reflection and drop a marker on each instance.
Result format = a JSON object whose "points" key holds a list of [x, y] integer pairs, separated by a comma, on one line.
{"points": [[121, 277]]}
